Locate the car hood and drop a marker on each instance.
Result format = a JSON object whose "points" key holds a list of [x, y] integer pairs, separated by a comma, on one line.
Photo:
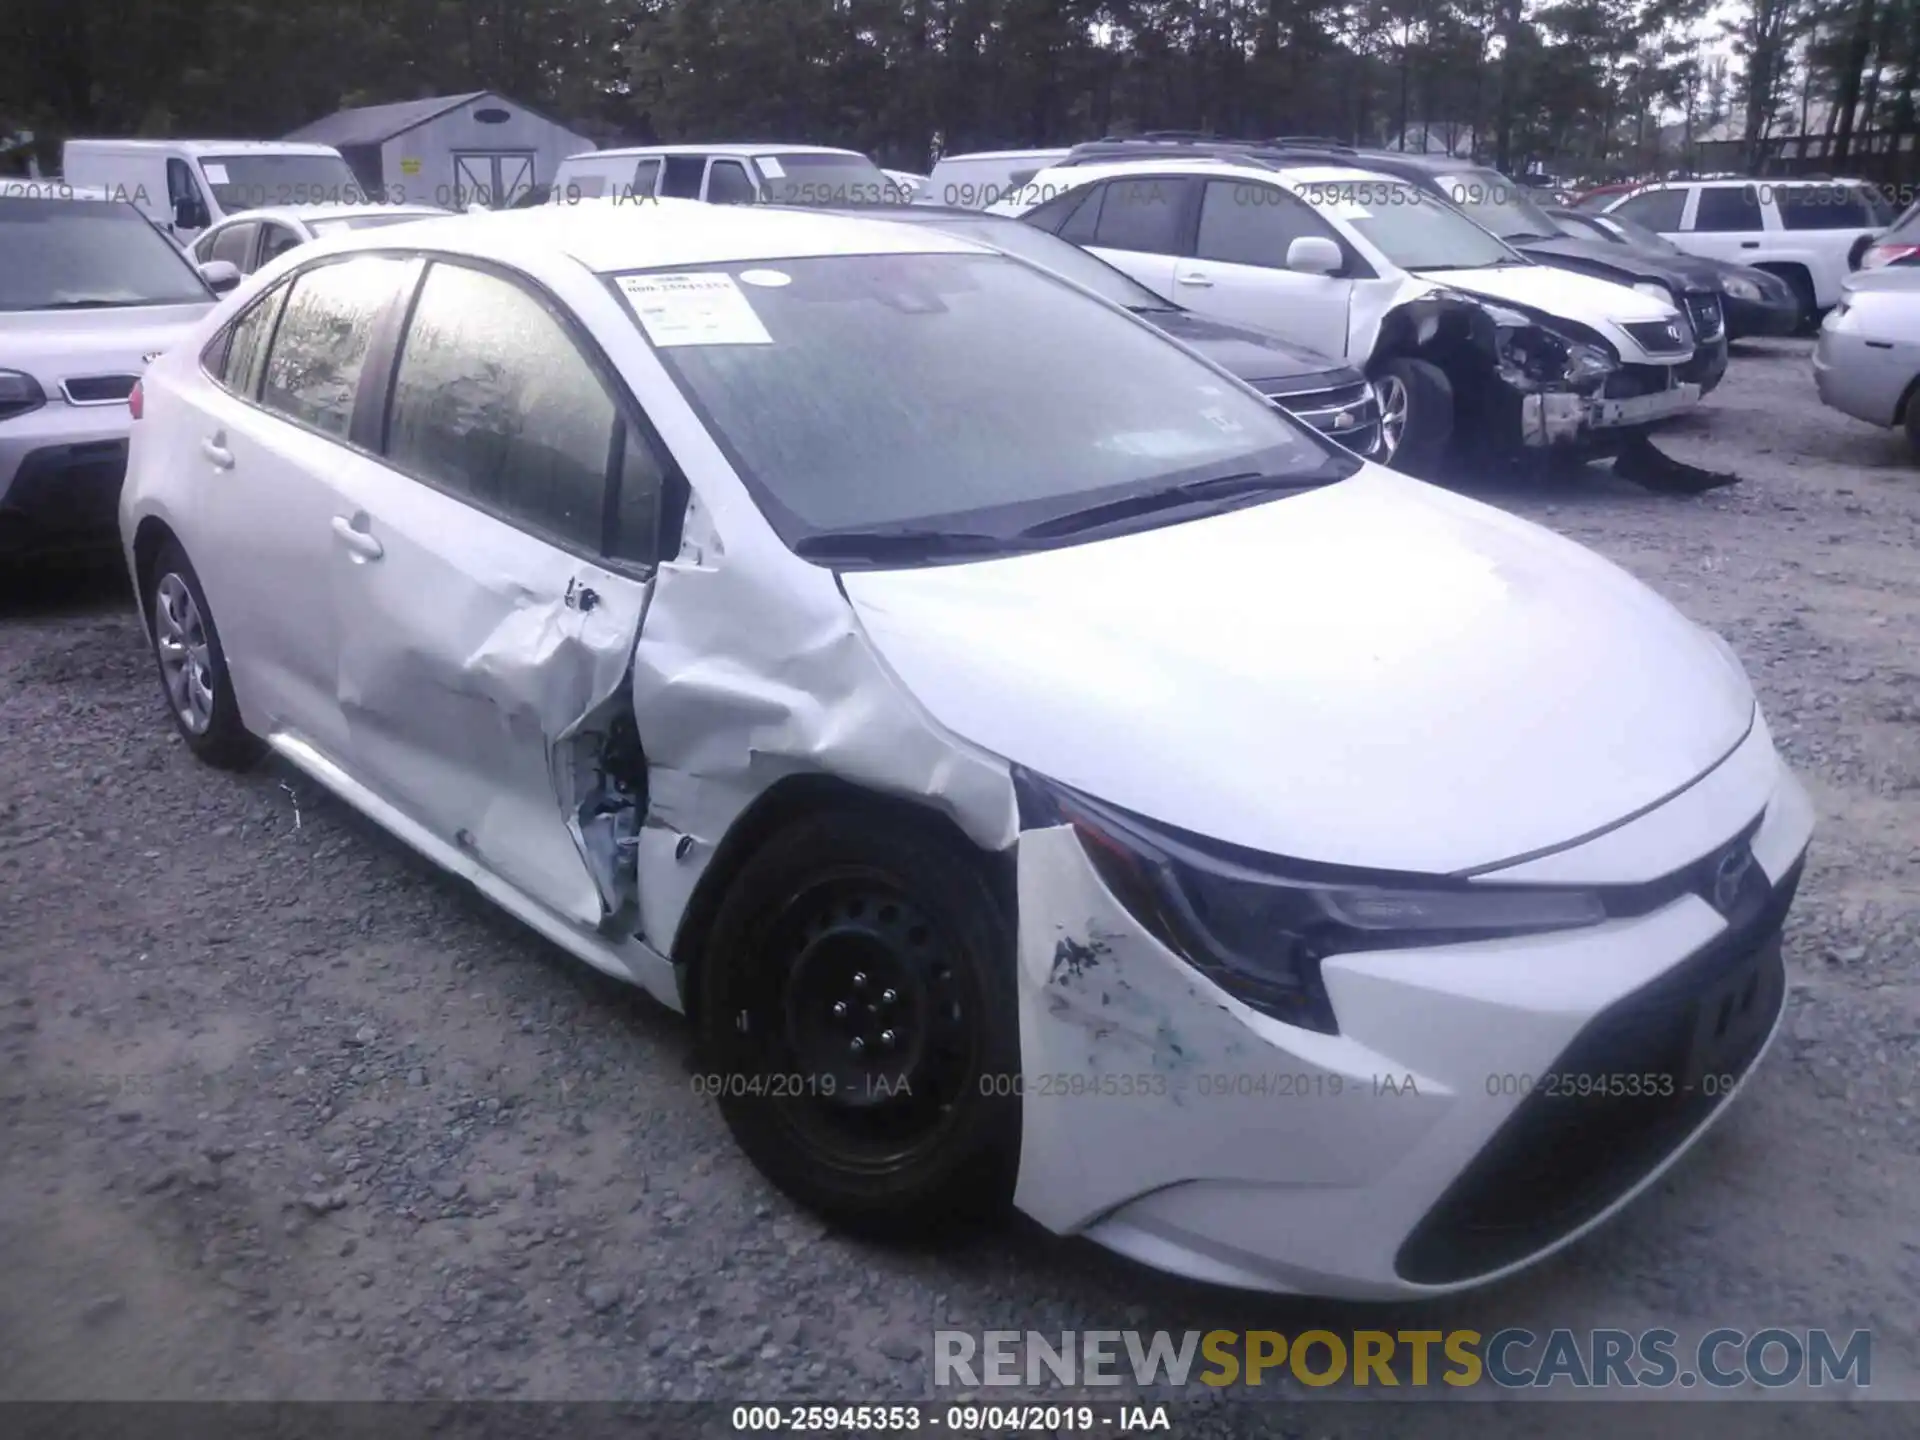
{"points": [[56, 345], [1250, 354], [1555, 291], [1377, 673], [1629, 265]]}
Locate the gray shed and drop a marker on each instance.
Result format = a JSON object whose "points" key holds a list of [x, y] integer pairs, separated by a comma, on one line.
{"points": [[451, 150]]}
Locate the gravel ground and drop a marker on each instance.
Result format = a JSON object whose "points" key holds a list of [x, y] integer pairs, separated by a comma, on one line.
{"points": [[285, 1114]]}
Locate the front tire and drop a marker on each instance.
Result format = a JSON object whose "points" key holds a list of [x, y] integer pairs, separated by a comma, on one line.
{"points": [[193, 665], [859, 1027], [1415, 399]]}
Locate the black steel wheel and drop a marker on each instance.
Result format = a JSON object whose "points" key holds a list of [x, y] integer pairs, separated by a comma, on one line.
{"points": [[859, 1025]]}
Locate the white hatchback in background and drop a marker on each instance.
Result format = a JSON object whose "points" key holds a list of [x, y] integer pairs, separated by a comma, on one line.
{"points": [[1811, 233], [727, 175], [1461, 334], [985, 177], [90, 292], [255, 237], [614, 558]]}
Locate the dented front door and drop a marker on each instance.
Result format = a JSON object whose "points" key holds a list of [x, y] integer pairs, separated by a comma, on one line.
{"points": [[470, 649]]}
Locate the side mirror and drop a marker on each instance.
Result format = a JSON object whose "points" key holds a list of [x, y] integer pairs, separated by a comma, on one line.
{"points": [[220, 275], [1315, 255]]}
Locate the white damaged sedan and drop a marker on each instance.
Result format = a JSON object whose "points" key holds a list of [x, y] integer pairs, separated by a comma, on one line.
{"points": [[1046, 774]]}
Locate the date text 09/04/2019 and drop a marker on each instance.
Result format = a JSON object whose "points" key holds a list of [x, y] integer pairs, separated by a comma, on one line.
{"points": [[964, 1419], [1241, 1084]]}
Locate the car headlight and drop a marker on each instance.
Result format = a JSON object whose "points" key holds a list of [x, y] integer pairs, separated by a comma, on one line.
{"points": [[1656, 290], [19, 393], [1259, 926], [1739, 287]]}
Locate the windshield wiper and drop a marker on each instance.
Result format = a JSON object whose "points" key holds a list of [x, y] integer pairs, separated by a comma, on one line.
{"points": [[92, 304], [903, 543], [1191, 492], [1529, 235]]}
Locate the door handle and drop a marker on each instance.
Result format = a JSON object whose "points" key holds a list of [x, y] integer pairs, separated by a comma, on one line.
{"points": [[356, 538], [214, 447], [1196, 277], [1749, 244]]}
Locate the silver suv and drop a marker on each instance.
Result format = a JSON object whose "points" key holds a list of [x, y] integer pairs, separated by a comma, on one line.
{"points": [[90, 292]]}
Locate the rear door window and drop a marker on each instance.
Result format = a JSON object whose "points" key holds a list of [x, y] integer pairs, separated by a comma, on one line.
{"points": [[681, 176], [1728, 210], [1144, 215], [729, 184], [320, 347]]}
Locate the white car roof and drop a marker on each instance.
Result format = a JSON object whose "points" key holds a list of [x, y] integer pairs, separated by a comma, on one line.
{"points": [[216, 147], [311, 213], [728, 148], [609, 235]]}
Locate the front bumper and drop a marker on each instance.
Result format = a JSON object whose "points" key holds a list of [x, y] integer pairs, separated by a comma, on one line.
{"points": [[1169, 1122], [61, 468], [1708, 366], [1558, 418]]}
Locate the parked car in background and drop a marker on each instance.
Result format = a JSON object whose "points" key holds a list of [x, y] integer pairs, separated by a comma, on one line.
{"points": [[984, 177], [1601, 196], [1332, 397], [254, 237], [1755, 302], [910, 184], [90, 292], [187, 185], [1866, 362], [728, 175], [1484, 352], [1498, 204], [615, 559], [1898, 244], [1811, 233]]}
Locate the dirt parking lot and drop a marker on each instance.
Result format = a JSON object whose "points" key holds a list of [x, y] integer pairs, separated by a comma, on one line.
{"points": [[284, 1113]]}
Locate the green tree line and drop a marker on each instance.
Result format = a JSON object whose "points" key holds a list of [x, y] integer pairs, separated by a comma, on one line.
{"points": [[1588, 87]]}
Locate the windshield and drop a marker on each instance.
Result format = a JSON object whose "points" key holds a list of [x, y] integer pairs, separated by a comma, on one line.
{"points": [[337, 223], [246, 182], [1409, 226], [70, 254], [1063, 257], [828, 179], [964, 391], [1495, 203]]}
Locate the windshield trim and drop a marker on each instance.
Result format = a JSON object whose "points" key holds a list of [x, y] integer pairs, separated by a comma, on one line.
{"points": [[792, 529]]}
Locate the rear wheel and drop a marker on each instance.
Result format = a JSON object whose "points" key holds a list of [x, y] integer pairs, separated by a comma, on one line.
{"points": [[193, 666], [1416, 414], [858, 1024]]}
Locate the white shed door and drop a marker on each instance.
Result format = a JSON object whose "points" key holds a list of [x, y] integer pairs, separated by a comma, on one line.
{"points": [[493, 178]]}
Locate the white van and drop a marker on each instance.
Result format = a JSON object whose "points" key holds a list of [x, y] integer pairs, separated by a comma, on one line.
{"points": [[727, 175], [186, 185]]}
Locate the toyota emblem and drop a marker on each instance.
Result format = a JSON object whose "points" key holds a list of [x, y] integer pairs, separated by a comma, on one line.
{"points": [[1343, 421], [1728, 876], [1673, 333]]}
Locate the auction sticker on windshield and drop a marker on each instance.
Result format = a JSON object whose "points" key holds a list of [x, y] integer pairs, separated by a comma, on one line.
{"points": [[693, 310], [216, 172]]}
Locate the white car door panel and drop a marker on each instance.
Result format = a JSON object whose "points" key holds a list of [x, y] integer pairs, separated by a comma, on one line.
{"points": [[1238, 271], [479, 636], [1153, 271], [473, 650]]}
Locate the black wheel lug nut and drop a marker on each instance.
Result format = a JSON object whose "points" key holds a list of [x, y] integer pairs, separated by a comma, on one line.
{"points": [[859, 1046], [839, 1009], [887, 997], [886, 1039], [860, 980]]}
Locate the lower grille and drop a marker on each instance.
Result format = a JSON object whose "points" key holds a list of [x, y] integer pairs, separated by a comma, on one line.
{"points": [[1631, 381], [1703, 311], [1562, 1158]]}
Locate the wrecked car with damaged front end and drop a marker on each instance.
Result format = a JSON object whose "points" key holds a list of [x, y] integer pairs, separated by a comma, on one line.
{"points": [[1472, 347], [616, 559]]}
